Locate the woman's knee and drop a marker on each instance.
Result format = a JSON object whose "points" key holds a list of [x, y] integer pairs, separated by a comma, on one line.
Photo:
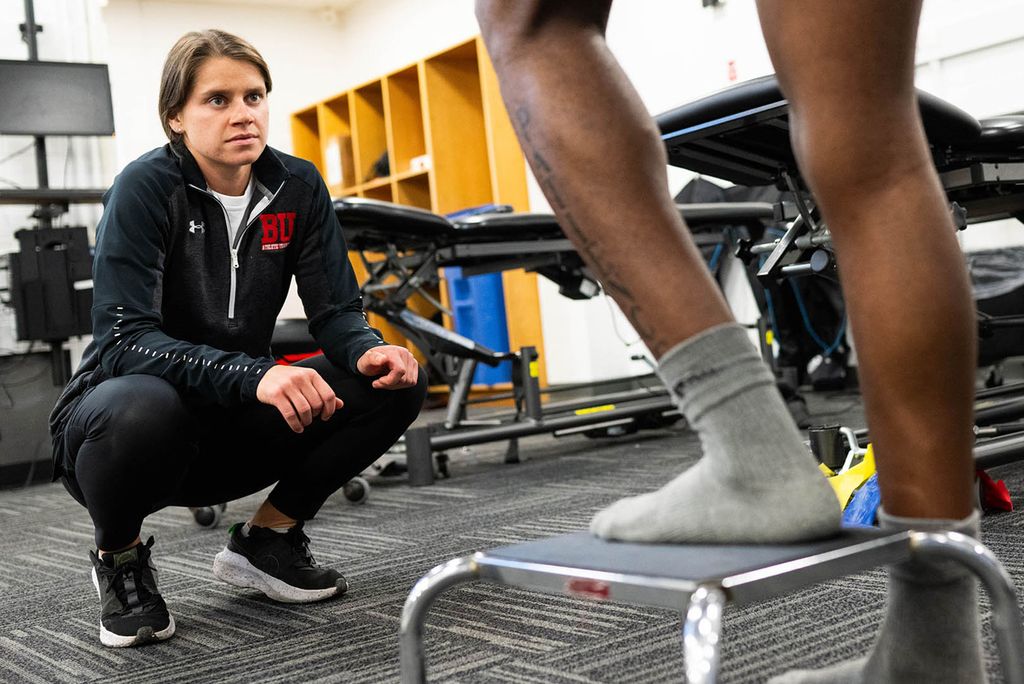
{"points": [[362, 399], [137, 409], [402, 406], [409, 401]]}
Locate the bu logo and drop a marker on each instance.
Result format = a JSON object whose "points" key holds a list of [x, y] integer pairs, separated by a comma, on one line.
{"points": [[194, 227], [277, 230]]}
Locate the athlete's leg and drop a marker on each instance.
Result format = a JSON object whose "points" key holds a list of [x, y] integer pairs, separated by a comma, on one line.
{"points": [[848, 71], [596, 153]]}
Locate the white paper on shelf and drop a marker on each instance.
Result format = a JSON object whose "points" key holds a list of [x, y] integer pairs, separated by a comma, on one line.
{"points": [[332, 159], [420, 163]]}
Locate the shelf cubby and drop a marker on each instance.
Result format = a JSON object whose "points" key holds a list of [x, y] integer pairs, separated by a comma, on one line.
{"points": [[306, 136], [414, 190], [405, 106], [450, 146], [456, 120], [370, 133]]}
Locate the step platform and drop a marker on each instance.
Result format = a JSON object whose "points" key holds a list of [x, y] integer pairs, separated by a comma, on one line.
{"points": [[699, 579]]}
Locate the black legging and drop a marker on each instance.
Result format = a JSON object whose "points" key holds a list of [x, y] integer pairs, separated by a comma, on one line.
{"points": [[133, 445]]}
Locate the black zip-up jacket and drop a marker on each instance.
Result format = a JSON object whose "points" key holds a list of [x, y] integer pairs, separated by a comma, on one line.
{"points": [[172, 298]]}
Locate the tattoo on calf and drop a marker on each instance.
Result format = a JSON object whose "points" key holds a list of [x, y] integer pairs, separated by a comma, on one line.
{"points": [[590, 249]]}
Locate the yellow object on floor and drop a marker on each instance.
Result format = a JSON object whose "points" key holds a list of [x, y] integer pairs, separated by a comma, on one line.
{"points": [[847, 483]]}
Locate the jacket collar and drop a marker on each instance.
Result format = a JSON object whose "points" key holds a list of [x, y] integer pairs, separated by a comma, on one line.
{"points": [[269, 170]]}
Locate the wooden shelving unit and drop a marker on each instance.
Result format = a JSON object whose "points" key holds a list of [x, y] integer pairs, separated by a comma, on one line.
{"points": [[449, 145]]}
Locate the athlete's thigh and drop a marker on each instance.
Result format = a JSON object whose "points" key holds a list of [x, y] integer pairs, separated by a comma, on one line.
{"points": [[844, 58]]}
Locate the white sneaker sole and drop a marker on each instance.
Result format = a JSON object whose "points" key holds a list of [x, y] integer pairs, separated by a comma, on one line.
{"points": [[236, 569], [145, 635]]}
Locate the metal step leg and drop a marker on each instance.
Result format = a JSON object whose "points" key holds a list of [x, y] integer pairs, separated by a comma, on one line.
{"points": [[410, 630]]}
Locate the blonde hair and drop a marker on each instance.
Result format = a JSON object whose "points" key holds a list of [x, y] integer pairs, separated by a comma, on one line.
{"points": [[184, 60]]}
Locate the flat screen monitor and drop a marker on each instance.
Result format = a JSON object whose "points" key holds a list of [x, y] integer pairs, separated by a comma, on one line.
{"points": [[55, 98]]}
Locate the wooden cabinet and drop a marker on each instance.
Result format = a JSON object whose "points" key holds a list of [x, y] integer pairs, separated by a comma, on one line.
{"points": [[446, 141]]}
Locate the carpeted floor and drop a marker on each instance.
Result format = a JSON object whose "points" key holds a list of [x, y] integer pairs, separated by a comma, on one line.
{"points": [[477, 633]]}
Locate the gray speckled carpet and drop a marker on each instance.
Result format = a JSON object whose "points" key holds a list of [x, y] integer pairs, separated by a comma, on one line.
{"points": [[476, 633]]}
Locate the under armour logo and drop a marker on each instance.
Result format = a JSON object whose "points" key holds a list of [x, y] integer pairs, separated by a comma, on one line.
{"points": [[194, 227]]}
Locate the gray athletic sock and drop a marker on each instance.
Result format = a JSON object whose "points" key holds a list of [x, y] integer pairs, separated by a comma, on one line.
{"points": [[930, 632], [756, 482]]}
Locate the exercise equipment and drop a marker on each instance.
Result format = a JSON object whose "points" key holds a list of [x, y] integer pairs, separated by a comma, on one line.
{"points": [[741, 134], [699, 580], [208, 516], [403, 248]]}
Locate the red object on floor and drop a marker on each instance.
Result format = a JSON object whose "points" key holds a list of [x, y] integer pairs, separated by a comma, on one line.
{"points": [[993, 493]]}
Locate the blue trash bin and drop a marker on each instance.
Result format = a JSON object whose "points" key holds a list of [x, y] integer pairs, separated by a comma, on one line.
{"points": [[478, 308]]}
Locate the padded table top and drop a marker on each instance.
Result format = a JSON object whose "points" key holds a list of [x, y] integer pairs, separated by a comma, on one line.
{"points": [[1001, 133], [741, 133], [370, 224], [692, 562], [943, 122], [373, 224], [508, 227]]}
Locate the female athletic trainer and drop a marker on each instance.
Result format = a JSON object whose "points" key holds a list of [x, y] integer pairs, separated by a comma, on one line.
{"points": [[177, 401]]}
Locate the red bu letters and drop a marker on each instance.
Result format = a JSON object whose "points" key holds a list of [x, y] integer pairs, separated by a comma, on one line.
{"points": [[277, 230]]}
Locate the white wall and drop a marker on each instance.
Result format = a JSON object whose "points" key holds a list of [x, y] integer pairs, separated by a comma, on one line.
{"points": [[312, 54]]}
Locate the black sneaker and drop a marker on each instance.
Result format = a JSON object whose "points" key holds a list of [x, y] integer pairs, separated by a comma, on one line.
{"points": [[278, 564], [132, 610]]}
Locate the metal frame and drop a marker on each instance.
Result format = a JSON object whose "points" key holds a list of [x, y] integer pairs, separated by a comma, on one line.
{"points": [[530, 418], [426, 242], [702, 601], [984, 186]]}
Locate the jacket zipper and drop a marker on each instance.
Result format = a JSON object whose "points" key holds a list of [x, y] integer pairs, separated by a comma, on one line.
{"points": [[233, 248]]}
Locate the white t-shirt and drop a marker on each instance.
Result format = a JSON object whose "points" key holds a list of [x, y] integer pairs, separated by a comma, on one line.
{"points": [[235, 206]]}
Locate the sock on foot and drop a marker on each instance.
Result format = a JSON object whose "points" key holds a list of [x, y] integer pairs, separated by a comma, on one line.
{"points": [[930, 631], [756, 482]]}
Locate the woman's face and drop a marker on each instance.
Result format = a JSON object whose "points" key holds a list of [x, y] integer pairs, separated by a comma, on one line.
{"points": [[224, 119]]}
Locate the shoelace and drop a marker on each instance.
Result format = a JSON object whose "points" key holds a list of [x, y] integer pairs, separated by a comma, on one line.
{"points": [[128, 583], [129, 587], [300, 542]]}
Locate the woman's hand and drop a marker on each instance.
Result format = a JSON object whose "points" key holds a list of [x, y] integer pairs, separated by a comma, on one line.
{"points": [[396, 366], [299, 394]]}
